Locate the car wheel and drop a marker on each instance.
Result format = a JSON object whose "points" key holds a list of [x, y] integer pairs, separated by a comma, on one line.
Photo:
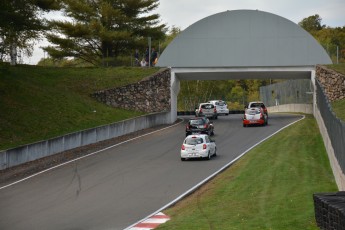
{"points": [[183, 159], [215, 152], [244, 125], [216, 117], [208, 156], [212, 133]]}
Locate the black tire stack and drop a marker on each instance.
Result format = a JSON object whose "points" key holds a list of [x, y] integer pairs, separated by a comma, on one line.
{"points": [[330, 210]]}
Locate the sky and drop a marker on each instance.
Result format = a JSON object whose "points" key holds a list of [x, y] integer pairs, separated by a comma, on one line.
{"points": [[183, 13]]}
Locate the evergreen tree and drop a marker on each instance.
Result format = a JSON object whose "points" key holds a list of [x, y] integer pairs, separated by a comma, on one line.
{"points": [[102, 30], [20, 24]]}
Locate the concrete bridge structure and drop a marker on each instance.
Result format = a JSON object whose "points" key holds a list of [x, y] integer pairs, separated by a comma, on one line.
{"points": [[241, 44]]}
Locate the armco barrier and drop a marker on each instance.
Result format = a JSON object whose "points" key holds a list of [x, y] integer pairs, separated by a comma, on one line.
{"points": [[30, 152]]}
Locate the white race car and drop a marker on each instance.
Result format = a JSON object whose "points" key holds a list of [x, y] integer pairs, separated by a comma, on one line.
{"points": [[221, 107], [198, 146]]}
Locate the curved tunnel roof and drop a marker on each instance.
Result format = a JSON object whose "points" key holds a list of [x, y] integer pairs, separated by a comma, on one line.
{"points": [[243, 38]]}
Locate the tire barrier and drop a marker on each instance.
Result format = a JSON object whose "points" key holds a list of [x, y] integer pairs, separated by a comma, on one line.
{"points": [[330, 210]]}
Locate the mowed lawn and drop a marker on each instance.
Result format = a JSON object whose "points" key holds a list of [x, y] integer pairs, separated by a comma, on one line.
{"points": [[38, 103], [271, 187]]}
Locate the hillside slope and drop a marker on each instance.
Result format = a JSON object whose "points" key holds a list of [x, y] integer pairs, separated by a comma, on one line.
{"points": [[38, 103]]}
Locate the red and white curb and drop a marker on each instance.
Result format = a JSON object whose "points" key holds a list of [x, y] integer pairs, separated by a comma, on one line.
{"points": [[151, 222]]}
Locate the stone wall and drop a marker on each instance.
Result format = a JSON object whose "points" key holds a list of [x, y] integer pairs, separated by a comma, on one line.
{"points": [[152, 94], [332, 82]]}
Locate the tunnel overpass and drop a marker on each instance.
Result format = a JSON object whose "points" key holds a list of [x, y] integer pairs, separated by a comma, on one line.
{"points": [[241, 44]]}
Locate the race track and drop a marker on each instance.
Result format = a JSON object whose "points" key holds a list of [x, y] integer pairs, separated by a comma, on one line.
{"points": [[117, 187]]}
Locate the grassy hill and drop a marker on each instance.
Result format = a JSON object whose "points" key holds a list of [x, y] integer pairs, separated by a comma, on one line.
{"points": [[339, 108], [38, 103], [338, 67]]}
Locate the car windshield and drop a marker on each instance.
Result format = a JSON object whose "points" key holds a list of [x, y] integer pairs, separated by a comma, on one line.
{"points": [[196, 122], [207, 106], [193, 140], [256, 105], [220, 103], [253, 112]]}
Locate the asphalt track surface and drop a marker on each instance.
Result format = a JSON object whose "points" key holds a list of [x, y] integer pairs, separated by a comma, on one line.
{"points": [[117, 187]]}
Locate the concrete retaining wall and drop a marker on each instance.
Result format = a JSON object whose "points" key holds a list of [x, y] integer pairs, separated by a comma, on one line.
{"points": [[296, 108], [30, 152], [337, 171]]}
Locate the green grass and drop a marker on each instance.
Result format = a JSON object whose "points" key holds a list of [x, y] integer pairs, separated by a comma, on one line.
{"points": [[38, 103], [338, 67], [339, 108], [271, 187]]}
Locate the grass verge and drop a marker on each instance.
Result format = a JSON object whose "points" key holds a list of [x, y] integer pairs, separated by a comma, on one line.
{"points": [[38, 103], [339, 108], [271, 187], [338, 67]]}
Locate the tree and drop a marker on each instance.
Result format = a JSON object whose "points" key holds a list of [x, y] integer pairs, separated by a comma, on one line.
{"points": [[102, 30], [332, 39], [20, 24], [312, 23]]}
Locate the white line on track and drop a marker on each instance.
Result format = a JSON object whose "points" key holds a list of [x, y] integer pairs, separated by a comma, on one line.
{"points": [[88, 155]]}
